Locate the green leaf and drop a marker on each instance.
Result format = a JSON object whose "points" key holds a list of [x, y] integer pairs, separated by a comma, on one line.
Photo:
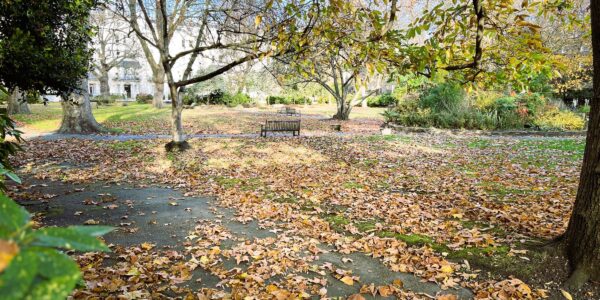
{"points": [[12, 216], [16, 279], [60, 272], [67, 238], [13, 176]]}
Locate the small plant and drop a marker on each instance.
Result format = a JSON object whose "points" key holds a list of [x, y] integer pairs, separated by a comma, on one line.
{"points": [[443, 97], [555, 119], [383, 100], [144, 98]]}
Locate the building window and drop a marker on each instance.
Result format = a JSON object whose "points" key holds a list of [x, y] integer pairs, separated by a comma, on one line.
{"points": [[182, 43], [91, 89], [191, 44]]}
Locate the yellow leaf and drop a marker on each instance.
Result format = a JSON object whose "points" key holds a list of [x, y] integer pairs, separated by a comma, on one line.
{"points": [[271, 288], [204, 260], [447, 269], [347, 280], [8, 250], [133, 272], [564, 293], [147, 246], [257, 20]]}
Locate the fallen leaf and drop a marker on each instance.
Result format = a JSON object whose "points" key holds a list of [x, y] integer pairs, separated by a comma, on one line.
{"points": [[347, 280]]}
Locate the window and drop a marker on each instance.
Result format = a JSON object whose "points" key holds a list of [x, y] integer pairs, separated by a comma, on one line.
{"points": [[182, 43], [191, 43]]}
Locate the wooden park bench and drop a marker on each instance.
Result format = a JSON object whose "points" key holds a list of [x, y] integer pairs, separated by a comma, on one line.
{"points": [[280, 126], [288, 111]]}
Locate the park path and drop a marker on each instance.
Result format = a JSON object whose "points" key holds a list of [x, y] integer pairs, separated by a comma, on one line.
{"points": [[148, 215]]}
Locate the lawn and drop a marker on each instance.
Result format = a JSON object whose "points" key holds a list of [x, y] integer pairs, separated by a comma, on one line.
{"points": [[458, 211], [144, 119]]}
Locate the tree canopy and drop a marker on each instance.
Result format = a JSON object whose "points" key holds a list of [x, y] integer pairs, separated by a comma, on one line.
{"points": [[44, 44]]}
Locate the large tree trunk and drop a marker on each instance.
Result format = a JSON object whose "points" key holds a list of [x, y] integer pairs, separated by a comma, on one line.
{"points": [[104, 87], [343, 110], [583, 234], [17, 103], [159, 88], [77, 113], [178, 141]]}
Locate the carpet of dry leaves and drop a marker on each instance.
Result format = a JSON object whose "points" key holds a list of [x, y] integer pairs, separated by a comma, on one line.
{"points": [[449, 209]]}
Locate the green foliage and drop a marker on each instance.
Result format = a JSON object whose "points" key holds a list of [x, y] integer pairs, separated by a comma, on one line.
{"points": [[100, 99], [217, 97], [44, 44], [383, 100], [555, 119], [36, 269], [287, 100], [445, 106], [444, 97], [8, 147], [238, 99], [144, 98]]}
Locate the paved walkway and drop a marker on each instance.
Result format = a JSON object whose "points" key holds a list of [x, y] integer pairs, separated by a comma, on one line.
{"points": [[148, 215]]}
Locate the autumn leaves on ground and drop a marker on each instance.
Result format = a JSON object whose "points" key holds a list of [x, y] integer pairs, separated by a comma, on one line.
{"points": [[359, 214]]}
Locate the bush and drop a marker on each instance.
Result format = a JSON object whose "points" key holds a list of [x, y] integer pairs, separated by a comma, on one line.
{"points": [[106, 99], [144, 98], [443, 97], [555, 119], [237, 99], [485, 100], [3, 97], [278, 100], [383, 100]]}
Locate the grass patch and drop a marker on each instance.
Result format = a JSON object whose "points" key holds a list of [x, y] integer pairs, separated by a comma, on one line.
{"points": [[366, 226], [125, 145], [499, 190], [479, 144], [337, 222], [389, 138], [566, 145]]}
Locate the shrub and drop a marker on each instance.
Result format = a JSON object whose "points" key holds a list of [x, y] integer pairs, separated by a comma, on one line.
{"points": [[534, 102], [3, 97], [555, 119], [383, 100], [106, 99], [485, 100], [443, 97], [237, 99], [278, 100], [144, 98]]}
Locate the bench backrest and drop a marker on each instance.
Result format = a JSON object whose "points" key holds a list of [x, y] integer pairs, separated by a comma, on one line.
{"points": [[282, 125]]}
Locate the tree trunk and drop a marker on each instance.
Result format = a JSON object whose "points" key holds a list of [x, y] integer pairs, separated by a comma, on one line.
{"points": [[159, 88], [178, 141], [17, 103], [104, 87], [77, 113], [583, 234], [343, 110]]}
